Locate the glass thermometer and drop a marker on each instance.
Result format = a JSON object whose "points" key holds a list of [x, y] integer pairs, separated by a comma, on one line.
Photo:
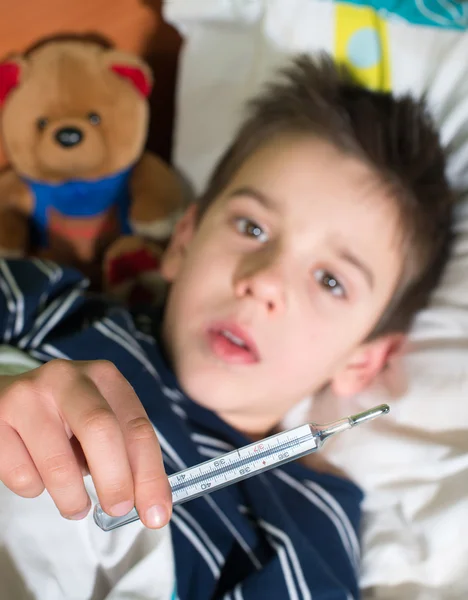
{"points": [[245, 462]]}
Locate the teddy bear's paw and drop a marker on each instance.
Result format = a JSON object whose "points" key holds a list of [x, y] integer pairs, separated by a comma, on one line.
{"points": [[123, 245], [132, 270]]}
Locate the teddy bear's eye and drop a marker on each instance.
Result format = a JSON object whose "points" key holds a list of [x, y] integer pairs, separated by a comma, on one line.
{"points": [[42, 123], [94, 118]]}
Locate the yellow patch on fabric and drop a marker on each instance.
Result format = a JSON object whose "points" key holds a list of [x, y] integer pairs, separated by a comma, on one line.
{"points": [[361, 43]]}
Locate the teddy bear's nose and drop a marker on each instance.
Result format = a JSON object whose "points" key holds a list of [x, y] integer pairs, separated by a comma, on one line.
{"points": [[69, 136]]}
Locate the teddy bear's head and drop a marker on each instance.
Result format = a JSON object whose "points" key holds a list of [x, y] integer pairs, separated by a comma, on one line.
{"points": [[73, 110]]}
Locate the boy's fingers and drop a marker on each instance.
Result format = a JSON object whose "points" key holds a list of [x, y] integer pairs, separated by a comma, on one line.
{"points": [[101, 439], [54, 459], [46, 408], [152, 491], [92, 402], [17, 470]]}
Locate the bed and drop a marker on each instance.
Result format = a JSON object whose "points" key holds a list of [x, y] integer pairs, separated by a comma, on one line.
{"points": [[413, 464]]}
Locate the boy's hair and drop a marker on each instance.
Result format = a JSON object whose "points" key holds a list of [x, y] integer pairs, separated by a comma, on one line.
{"points": [[395, 137]]}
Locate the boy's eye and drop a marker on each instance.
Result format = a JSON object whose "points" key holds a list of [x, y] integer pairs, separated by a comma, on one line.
{"points": [[251, 229], [329, 282]]}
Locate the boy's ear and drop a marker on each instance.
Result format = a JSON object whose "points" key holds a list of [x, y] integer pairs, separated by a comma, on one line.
{"points": [[175, 252], [366, 363]]}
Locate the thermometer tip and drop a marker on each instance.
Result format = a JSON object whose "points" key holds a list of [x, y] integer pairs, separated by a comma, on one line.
{"points": [[370, 414]]}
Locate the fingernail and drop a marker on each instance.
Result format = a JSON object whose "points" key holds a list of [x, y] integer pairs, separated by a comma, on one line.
{"points": [[121, 509], [156, 516], [80, 515]]}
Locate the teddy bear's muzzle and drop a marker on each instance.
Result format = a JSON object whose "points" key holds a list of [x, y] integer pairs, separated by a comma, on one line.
{"points": [[68, 149]]}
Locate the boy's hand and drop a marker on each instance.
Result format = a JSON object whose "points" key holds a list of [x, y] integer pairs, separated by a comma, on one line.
{"points": [[64, 417]]}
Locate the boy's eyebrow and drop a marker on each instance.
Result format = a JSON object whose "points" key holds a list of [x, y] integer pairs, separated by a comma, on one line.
{"points": [[266, 201], [349, 257]]}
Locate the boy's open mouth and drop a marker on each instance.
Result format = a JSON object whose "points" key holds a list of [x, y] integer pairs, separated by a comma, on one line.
{"points": [[233, 345]]}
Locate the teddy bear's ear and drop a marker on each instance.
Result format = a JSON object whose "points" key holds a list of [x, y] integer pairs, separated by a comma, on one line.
{"points": [[135, 75], [10, 75], [131, 68]]}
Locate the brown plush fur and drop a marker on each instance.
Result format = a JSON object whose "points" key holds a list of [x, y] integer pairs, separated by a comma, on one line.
{"points": [[61, 84]]}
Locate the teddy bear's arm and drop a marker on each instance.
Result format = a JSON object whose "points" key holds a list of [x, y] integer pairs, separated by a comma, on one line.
{"points": [[157, 198], [16, 204]]}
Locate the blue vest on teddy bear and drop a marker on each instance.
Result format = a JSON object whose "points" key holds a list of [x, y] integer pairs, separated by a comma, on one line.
{"points": [[79, 199]]}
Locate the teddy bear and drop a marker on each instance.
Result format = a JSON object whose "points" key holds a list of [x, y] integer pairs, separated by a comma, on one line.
{"points": [[74, 124]]}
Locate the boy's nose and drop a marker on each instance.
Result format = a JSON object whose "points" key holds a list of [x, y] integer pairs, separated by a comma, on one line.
{"points": [[263, 283]]}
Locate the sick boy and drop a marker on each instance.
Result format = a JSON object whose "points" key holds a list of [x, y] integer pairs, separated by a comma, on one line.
{"points": [[323, 230]]}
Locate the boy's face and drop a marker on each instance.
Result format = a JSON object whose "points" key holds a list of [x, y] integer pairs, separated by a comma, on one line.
{"points": [[275, 290]]}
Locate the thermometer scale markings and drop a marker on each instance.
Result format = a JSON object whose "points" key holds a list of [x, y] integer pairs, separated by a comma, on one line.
{"points": [[180, 483]]}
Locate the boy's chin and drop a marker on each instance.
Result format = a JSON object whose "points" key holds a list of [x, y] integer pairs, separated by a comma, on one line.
{"points": [[240, 408], [205, 392]]}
